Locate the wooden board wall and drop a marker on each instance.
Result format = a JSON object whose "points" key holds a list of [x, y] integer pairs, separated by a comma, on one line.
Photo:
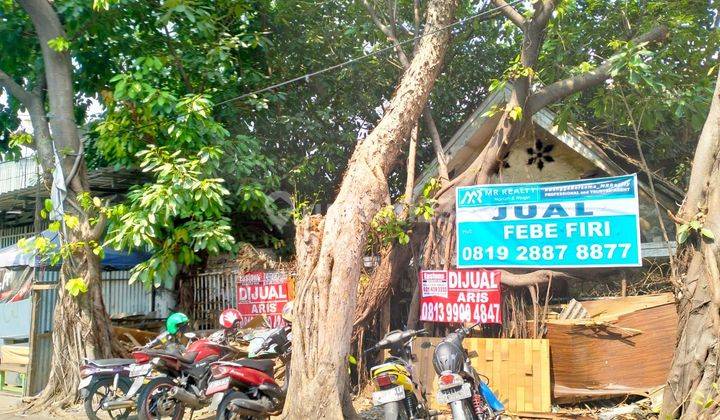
{"points": [[518, 370]]}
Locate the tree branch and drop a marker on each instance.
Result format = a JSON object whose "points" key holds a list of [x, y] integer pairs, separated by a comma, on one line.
{"points": [[405, 61], [510, 12], [15, 89], [563, 88], [536, 277], [543, 11]]}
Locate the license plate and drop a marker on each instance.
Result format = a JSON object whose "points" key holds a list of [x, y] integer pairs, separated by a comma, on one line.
{"points": [[85, 382], [388, 395], [453, 394], [216, 399], [217, 386], [140, 370]]}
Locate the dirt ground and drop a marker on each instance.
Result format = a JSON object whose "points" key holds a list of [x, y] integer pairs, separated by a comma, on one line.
{"points": [[9, 405]]}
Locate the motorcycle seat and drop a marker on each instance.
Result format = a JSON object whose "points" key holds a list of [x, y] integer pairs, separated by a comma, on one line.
{"points": [[186, 358], [110, 362], [263, 365]]}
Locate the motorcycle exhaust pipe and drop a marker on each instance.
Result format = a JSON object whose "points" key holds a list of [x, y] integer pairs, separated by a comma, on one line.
{"points": [[244, 406], [118, 404], [184, 397]]}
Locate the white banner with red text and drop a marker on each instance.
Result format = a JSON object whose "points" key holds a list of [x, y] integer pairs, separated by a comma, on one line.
{"points": [[460, 296]]}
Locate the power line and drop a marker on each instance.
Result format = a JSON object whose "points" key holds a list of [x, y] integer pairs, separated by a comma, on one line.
{"points": [[307, 76]]}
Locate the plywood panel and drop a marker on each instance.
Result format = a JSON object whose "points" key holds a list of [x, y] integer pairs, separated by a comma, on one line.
{"points": [[518, 371], [626, 348]]}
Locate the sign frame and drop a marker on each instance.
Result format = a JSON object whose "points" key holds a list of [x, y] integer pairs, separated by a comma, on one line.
{"points": [[446, 303], [636, 262]]}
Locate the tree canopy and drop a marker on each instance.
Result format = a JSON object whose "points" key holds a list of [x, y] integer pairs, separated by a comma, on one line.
{"points": [[165, 77]]}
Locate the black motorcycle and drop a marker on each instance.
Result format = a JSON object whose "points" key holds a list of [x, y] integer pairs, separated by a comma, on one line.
{"points": [[460, 385], [104, 380]]}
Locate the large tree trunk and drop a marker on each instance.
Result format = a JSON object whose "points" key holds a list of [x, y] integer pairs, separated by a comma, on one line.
{"points": [[325, 301], [81, 325], [694, 372]]}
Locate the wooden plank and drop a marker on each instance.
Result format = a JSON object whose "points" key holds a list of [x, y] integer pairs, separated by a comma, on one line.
{"points": [[518, 371], [545, 387], [536, 384]]}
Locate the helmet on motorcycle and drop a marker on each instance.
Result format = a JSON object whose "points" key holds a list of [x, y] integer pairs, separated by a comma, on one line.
{"points": [[230, 317], [448, 357], [176, 321], [287, 312]]}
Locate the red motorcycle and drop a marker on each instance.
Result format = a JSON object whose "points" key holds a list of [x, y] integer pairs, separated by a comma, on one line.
{"points": [[246, 388], [182, 377]]}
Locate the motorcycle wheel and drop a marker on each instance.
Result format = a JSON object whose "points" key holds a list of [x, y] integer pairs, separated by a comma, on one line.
{"points": [[99, 392], [462, 410], [154, 403], [395, 411], [224, 413]]}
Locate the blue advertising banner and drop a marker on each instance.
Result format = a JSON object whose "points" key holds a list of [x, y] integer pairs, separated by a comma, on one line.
{"points": [[585, 223]]}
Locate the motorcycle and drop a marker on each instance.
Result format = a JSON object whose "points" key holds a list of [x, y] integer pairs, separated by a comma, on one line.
{"points": [[396, 391], [246, 387], [178, 379], [460, 386], [105, 381]]}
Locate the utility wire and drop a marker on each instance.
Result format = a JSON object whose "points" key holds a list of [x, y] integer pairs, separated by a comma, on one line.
{"points": [[307, 76]]}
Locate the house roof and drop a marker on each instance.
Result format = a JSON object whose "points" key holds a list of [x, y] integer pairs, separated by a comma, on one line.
{"points": [[472, 136], [19, 190]]}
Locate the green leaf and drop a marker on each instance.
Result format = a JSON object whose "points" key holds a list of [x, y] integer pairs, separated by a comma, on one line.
{"points": [[54, 226], [695, 224], [48, 205], [59, 44], [682, 236], [707, 233], [516, 113], [76, 286], [72, 222]]}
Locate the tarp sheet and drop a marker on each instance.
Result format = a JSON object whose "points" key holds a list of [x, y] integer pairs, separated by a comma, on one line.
{"points": [[14, 256]]}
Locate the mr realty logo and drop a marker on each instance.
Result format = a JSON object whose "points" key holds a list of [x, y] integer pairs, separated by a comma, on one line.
{"points": [[471, 197]]}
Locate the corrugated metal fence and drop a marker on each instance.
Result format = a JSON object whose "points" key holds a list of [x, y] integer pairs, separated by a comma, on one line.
{"points": [[19, 174], [213, 292], [119, 296]]}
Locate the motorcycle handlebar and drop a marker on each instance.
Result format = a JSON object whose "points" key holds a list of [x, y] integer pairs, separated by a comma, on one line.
{"points": [[405, 335]]}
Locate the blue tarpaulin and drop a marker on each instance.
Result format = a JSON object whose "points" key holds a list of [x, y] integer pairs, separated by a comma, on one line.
{"points": [[14, 256]]}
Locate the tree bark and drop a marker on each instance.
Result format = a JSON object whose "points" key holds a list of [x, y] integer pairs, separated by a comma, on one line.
{"points": [[34, 103], [326, 298], [81, 324], [694, 371]]}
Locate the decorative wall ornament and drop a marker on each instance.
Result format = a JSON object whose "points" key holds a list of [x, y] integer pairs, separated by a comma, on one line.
{"points": [[540, 154]]}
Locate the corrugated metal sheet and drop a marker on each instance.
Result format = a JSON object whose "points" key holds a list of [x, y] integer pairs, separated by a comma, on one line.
{"points": [[119, 296], [18, 175], [123, 298]]}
